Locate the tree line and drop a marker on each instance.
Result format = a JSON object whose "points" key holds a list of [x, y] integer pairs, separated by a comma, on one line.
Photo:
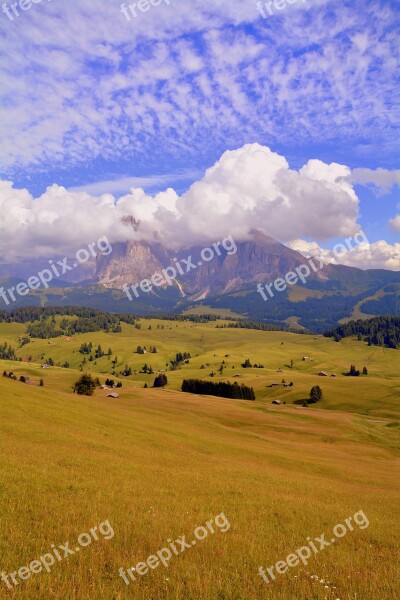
{"points": [[222, 389]]}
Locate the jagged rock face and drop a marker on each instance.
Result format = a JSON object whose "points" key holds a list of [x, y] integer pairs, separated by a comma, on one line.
{"points": [[261, 259], [130, 262], [254, 261]]}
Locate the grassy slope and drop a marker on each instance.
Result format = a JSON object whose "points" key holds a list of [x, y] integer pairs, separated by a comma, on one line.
{"points": [[159, 463], [377, 395]]}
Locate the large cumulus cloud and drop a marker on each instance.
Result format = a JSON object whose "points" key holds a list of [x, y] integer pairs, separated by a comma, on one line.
{"points": [[251, 187]]}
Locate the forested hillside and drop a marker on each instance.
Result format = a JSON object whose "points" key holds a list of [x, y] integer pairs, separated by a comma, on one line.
{"points": [[379, 331]]}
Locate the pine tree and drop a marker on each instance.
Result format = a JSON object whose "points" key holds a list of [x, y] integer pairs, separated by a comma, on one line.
{"points": [[315, 394]]}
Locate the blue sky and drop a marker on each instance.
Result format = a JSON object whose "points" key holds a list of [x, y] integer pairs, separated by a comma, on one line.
{"points": [[91, 98]]}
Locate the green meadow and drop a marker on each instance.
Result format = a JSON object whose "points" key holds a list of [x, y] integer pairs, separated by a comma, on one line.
{"points": [[157, 463]]}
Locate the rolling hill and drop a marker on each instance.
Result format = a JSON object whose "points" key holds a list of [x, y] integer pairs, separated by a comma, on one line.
{"points": [[158, 463]]}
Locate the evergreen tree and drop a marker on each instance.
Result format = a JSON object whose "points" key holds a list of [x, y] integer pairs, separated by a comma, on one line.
{"points": [[315, 394]]}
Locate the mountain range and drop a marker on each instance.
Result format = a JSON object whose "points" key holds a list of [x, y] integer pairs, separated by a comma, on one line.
{"points": [[227, 282]]}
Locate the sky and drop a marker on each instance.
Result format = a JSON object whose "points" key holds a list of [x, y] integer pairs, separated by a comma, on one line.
{"points": [[201, 118]]}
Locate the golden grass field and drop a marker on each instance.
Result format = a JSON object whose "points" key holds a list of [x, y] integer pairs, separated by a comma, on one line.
{"points": [[159, 463]]}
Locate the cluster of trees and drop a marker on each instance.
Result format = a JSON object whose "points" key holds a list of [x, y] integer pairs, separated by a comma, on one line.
{"points": [[180, 357], [7, 352], [45, 329], [143, 350], [127, 372], [379, 331], [355, 372], [147, 369], [224, 390], [160, 381], [110, 383], [98, 353], [247, 365], [43, 324], [86, 348]]}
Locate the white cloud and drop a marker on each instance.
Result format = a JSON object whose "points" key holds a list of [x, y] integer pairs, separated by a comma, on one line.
{"points": [[395, 223], [251, 187], [377, 255], [381, 178]]}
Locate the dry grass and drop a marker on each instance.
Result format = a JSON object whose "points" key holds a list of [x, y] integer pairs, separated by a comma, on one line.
{"points": [[157, 464]]}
